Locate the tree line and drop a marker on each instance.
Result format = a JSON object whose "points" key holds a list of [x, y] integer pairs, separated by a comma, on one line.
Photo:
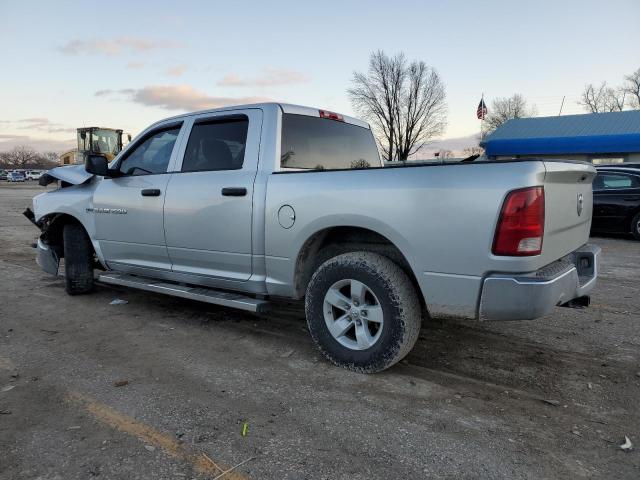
{"points": [[25, 157]]}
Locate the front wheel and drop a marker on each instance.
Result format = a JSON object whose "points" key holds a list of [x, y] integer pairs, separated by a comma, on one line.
{"points": [[635, 226], [363, 312], [78, 260]]}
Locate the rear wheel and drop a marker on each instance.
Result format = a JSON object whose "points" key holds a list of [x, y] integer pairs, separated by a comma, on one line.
{"points": [[363, 312], [78, 260], [635, 226]]}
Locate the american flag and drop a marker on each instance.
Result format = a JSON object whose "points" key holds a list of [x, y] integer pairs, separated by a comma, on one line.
{"points": [[481, 112]]}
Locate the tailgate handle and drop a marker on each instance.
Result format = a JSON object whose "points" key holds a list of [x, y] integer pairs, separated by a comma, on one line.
{"points": [[150, 192], [234, 191]]}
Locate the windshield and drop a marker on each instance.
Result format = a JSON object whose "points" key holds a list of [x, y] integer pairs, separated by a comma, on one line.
{"points": [[318, 144], [105, 141]]}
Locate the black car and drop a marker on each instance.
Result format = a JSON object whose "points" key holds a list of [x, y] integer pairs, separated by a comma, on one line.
{"points": [[616, 200]]}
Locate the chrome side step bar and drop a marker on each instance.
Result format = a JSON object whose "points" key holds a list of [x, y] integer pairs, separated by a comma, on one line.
{"points": [[208, 295]]}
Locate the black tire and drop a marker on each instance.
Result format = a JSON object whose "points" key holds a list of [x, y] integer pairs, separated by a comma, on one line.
{"points": [[78, 260], [635, 226], [396, 296]]}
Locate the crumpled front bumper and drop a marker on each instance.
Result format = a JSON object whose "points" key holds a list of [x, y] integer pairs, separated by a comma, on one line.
{"points": [[529, 296], [47, 258]]}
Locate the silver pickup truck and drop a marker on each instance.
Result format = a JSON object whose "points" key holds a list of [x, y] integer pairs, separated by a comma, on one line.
{"points": [[240, 205]]}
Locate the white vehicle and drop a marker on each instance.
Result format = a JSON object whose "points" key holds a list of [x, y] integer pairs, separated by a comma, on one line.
{"points": [[237, 205], [34, 174]]}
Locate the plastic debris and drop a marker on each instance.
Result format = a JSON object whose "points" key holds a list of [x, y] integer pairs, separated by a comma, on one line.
{"points": [[245, 429], [121, 383], [627, 445], [118, 301]]}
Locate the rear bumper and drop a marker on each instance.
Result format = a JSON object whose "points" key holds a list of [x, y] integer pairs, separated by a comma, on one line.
{"points": [[529, 296]]}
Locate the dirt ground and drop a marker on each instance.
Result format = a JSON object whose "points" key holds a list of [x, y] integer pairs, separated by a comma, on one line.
{"points": [[163, 387]]}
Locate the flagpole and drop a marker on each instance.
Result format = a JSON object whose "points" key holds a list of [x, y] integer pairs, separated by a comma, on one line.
{"points": [[482, 116]]}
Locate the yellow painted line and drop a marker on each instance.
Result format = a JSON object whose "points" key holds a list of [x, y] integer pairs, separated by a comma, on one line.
{"points": [[6, 364], [111, 417]]}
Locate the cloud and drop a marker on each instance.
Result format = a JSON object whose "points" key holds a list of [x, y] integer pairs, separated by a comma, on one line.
{"points": [[176, 97], [177, 71], [272, 77], [38, 123], [115, 46], [9, 142]]}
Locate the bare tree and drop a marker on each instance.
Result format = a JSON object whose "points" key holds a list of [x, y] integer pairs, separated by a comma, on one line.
{"points": [[445, 154], [602, 98], [503, 109], [475, 150], [21, 156], [24, 156], [632, 89], [404, 102]]}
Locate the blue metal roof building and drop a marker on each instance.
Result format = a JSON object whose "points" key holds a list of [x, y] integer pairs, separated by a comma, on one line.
{"points": [[597, 137]]}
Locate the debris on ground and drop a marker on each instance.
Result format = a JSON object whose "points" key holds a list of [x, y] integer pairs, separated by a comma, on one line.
{"points": [[627, 445], [286, 354], [121, 383], [555, 403], [150, 448], [245, 429], [5, 412], [7, 388], [74, 427], [232, 468], [118, 301]]}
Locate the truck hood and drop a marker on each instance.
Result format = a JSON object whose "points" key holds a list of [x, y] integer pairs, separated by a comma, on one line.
{"points": [[73, 174]]}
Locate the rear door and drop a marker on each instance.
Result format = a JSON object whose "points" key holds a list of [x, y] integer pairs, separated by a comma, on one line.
{"points": [[209, 203], [615, 197]]}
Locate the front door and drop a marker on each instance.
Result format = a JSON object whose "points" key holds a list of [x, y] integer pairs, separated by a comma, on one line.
{"points": [[128, 208], [209, 203]]}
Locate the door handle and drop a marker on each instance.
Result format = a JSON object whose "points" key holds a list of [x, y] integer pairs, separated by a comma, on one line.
{"points": [[150, 192], [234, 191]]}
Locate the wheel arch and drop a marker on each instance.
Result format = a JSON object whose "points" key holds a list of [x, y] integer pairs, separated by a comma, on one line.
{"points": [[52, 225], [336, 240]]}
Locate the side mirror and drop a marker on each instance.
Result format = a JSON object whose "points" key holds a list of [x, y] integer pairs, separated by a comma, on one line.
{"points": [[97, 164]]}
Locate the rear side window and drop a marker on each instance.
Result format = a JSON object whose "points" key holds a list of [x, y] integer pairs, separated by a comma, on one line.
{"points": [[315, 143], [611, 181], [216, 145]]}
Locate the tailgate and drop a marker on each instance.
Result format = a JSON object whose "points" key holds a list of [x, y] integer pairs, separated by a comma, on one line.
{"points": [[568, 207]]}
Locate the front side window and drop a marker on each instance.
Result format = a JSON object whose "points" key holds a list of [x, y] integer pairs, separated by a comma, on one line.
{"points": [[152, 155], [315, 143], [612, 181], [216, 145]]}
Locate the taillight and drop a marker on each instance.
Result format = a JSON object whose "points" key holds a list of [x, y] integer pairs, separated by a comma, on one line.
{"points": [[521, 224], [331, 115]]}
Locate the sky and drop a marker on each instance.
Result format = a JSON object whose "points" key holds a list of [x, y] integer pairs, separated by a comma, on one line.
{"points": [[128, 64]]}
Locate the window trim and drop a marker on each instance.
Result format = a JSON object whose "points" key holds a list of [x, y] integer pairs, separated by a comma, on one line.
{"points": [[255, 149], [213, 120], [132, 147]]}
